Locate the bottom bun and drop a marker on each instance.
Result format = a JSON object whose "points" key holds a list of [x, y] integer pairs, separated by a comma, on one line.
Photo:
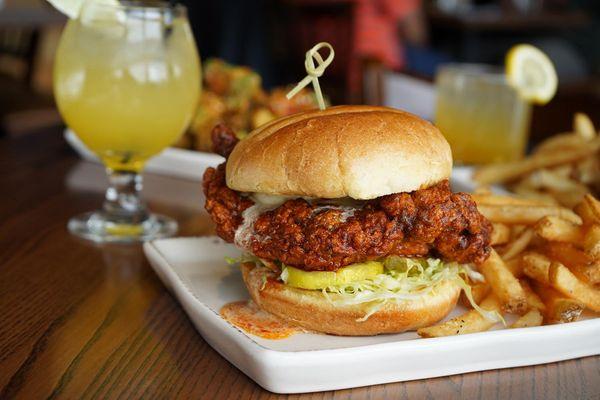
{"points": [[311, 310]]}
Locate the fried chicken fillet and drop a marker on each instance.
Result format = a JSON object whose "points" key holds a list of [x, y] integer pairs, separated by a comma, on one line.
{"points": [[316, 236]]}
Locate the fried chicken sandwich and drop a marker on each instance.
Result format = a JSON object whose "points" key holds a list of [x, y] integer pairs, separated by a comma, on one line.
{"points": [[347, 219]]}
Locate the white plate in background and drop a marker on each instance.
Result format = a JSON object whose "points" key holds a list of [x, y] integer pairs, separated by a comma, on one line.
{"points": [[179, 163]]}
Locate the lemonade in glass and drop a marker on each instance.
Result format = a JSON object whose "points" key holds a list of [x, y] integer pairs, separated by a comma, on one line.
{"points": [[483, 118], [126, 81]]}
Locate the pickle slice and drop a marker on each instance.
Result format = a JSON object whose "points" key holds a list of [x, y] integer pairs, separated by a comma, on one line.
{"points": [[322, 279]]}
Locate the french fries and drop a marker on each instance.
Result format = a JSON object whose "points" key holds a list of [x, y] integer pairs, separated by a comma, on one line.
{"points": [[515, 266], [569, 198], [525, 214], [530, 193], [556, 229], [504, 284], [560, 142], [556, 181], [500, 173], [563, 168], [581, 264], [583, 126], [533, 317], [589, 210], [479, 291], [588, 273], [559, 308], [516, 230], [533, 300], [491, 199], [563, 171], [549, 268], [555, 274], [591, 243], [470, 322], [587, 171], [500, 234], [537, 267], [518, 245], [562, 279], [545, 262]]}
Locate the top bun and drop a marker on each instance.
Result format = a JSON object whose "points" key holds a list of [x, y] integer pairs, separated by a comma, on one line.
{"points": [[362, 152]]}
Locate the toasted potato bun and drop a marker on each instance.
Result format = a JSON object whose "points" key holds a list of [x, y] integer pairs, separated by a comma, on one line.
{"points": [[311, 310], [362, 152]]}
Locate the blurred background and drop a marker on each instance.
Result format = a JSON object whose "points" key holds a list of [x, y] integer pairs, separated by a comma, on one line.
{"points": [[387, 51]]}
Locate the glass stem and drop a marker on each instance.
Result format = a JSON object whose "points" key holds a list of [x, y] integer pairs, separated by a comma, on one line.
{"points": [[122, 203]]}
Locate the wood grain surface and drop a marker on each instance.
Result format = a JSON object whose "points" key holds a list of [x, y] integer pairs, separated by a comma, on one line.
{"points": [[79, 321]]}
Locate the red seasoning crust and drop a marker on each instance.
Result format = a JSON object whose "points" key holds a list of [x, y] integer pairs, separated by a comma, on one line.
{"points": [[432, 221], [224, 205]]}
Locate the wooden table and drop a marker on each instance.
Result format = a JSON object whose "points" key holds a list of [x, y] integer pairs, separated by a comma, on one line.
{"points": [[81, 321]]}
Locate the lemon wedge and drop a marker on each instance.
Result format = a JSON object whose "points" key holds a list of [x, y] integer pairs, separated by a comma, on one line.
{"points": [[531, 73]]}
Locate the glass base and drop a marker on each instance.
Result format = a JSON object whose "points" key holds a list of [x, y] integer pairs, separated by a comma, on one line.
{"points": [[96, 227]]}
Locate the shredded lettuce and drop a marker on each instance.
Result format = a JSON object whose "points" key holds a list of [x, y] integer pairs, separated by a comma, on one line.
{"points": [[284, 274], [472, 274], [245, 257], [403, 279], [233, 261]]}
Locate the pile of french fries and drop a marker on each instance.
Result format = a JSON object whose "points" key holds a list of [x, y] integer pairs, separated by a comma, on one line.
{"points": [[561, 170], [544, 266]]}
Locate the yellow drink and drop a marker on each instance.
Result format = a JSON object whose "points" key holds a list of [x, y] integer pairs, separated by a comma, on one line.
{"points": [[481, 116], [126, 80], [127, 89]]}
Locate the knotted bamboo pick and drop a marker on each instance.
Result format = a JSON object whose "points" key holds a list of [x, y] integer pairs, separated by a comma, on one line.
{"points": [[314, 73]]}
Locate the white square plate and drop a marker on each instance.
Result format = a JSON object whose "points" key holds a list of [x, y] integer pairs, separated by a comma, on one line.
{"points": [[195, 271]]}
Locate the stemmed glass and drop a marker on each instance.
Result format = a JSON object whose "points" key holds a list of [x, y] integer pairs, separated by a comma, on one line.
{"points": [[126, 80]]}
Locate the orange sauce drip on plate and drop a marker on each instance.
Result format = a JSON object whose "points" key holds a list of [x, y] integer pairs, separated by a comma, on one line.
{"points": [[247, 316]]}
